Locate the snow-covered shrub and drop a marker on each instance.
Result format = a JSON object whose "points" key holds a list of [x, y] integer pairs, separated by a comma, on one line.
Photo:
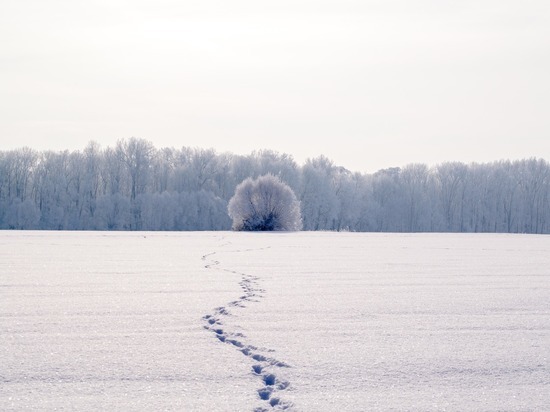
{"points": [[265, 203]]}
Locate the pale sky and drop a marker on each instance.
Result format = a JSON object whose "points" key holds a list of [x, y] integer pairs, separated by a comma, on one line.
{"points": [[368, 83]]}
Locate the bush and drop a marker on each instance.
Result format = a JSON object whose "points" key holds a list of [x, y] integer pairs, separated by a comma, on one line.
{"points": [[264, 204]]}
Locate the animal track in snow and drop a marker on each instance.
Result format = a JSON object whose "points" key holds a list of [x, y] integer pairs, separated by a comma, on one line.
{"points": [[264, 366]]}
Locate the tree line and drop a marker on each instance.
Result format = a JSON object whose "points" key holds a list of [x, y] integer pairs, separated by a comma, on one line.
{"points": [[135, 186]]}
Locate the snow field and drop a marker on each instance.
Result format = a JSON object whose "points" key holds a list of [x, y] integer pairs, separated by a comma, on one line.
{"points": [[308, 321], [112, 321], [404, 322]]}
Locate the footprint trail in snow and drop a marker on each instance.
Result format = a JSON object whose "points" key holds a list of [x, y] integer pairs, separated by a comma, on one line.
{"points": [[263, 366]]}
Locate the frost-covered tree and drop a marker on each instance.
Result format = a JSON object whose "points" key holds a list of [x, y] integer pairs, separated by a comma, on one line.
{"points": [[415, 180], [318, 194], [264, 204], [23, 214], [137, 157]]}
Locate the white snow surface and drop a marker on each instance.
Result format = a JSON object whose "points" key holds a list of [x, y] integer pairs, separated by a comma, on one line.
{"points": [[306, 321]]}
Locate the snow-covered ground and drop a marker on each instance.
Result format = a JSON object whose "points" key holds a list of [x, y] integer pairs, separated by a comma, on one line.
{"points": [[221, 321]]}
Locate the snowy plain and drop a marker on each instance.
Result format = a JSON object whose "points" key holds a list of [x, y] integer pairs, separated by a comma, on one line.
{"points": [[308, 321]]}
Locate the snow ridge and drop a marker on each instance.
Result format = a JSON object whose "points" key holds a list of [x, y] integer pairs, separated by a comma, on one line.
{"points": [[264, 366]]}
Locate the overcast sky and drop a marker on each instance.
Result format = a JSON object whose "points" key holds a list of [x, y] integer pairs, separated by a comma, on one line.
{"points": [[370, 84]]}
